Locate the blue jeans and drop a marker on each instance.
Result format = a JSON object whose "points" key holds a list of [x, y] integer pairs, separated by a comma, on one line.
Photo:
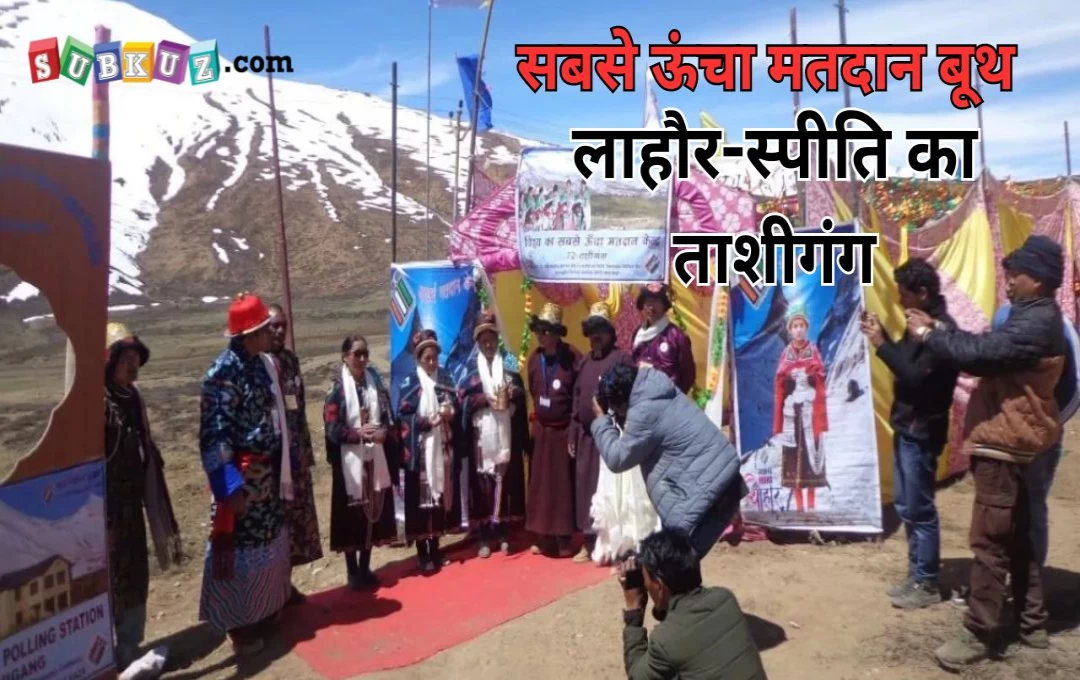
{"points": [[914, 481], [1039, 478]]}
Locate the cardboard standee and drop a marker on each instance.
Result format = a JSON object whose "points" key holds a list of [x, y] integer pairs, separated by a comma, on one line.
{"points": [[54, 234]]}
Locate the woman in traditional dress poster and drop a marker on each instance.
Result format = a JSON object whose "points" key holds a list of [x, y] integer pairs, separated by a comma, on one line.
{"points": [[428, 408], [799, 417], [362, 450], [496, 435]]}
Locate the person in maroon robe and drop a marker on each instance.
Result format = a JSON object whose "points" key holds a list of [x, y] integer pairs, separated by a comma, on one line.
{"points": [[552, 371], [603, 354], [661, 344]]}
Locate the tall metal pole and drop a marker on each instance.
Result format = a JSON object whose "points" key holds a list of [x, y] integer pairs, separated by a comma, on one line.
{"points": [[476, 106], [427, 203], [99, 95], [847, 104], [283, 243], [393, 162], [457, 160], [795, 97], [1068, 153]]}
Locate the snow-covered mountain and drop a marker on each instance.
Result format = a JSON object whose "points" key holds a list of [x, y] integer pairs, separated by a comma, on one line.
{"points": [[194, 212], [79, 538]]}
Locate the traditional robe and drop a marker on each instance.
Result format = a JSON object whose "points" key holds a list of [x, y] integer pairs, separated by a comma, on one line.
{"points": [[429, 522], [247, 575], [300, 513], [483, 486], [670, 353], [799, 416], [125, 483], [363, 525], [587, 458], [551, 471]]}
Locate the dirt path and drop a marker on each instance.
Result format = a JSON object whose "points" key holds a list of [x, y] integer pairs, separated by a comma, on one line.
{"points": [[819, 610]]}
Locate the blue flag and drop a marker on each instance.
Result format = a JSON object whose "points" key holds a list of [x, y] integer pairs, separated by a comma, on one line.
{"points": [[467, 67]]}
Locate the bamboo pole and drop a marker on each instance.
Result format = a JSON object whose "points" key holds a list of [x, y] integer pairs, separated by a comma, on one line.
{"points": [[283, 242]]}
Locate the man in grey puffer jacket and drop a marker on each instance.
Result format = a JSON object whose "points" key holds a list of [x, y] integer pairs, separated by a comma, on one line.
{"points": [[691, 470]]}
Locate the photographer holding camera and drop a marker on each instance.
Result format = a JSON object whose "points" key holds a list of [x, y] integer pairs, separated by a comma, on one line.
{"points": [[691, 470], [701, 632]]}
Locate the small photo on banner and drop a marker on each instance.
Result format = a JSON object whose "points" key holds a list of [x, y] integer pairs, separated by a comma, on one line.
{"points": [[803, 401], [572, 230], [438, 296], [55, 572]]}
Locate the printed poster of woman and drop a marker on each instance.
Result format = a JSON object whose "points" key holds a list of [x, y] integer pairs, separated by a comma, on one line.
{"points": [[799, 417], [803, 403]]}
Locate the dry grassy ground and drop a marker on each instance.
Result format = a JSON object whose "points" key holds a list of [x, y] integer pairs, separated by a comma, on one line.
{"points": [[819, 610]]}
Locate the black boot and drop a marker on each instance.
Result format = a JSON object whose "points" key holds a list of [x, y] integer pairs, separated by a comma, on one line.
{"points": [[423, 556], [485, 541], [367, 576], [352, 569], [437, 559], [504, 538]]}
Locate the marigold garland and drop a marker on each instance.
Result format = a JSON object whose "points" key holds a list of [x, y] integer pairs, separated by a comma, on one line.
{"points": [[526, 333]]}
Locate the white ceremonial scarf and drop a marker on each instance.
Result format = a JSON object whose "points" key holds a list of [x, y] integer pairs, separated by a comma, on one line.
{"points": [[644, 335], [433, 438], [493, 426], [354, 456], [281, 425]]}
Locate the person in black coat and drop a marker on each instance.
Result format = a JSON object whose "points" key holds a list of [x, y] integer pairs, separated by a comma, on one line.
{"points": [[922, 398]]}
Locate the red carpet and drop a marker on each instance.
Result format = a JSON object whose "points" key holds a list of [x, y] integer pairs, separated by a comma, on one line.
{"points": [[342, 634]]}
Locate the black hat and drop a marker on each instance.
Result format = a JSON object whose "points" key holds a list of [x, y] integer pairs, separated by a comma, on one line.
{"points": [[550, 318], [655, 291], [598, 320], [1040, 258]]}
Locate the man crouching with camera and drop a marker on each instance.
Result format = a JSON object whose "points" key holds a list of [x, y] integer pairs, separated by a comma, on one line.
{"points": [[701, 632]]}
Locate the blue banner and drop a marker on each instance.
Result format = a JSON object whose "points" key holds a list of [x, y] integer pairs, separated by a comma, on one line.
{"points": [[467, 67], [804, 410], [438, 296]]}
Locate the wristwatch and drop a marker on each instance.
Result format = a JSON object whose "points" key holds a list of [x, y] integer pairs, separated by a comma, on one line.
{"points": [[924, 331]]}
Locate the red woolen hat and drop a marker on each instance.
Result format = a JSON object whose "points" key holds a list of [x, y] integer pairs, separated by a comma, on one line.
{"points": [[247, 314]]}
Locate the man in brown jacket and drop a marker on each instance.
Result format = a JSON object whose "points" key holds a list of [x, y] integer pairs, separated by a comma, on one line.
{"points": [[1012, 418]]}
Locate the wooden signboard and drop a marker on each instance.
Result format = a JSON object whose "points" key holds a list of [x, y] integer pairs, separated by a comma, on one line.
{"points": [[55, 615]]}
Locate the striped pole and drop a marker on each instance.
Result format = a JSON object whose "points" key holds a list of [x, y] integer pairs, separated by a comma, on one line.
{"points": [[100, 93]]}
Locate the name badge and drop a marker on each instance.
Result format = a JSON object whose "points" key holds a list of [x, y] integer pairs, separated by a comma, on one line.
{"points": [[290, 402], [545, 402]]}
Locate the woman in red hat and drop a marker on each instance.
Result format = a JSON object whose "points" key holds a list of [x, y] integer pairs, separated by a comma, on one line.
{"points": [[243, 440], [135, 481], [428, 408], [660, 343]]}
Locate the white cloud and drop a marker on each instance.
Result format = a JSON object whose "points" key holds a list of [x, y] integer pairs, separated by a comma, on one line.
{"points": [[412, 80], [1022, 129]]}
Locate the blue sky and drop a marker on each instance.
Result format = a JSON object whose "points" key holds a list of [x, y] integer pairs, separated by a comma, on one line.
{"points": [[351, 45]]}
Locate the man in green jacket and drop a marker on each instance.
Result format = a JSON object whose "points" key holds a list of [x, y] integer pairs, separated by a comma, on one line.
{"points": [[702, 634]]}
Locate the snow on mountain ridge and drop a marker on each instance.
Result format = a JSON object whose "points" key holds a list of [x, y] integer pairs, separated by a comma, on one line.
{"points": [[156, 125]]}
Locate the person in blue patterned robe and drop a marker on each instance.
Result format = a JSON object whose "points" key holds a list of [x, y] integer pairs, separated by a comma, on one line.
{"points": [[246, 577]]}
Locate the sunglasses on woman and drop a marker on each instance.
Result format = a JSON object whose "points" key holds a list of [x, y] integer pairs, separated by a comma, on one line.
{"points": [[360, 354]]}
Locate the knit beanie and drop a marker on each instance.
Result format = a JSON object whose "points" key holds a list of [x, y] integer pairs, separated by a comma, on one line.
{"points": [[1040, 258]]}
